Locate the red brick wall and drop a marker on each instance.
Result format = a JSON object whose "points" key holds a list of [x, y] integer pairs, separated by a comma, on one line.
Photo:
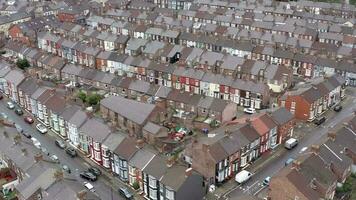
{"points": [[302, 108], [15, 33], [65, 17]]}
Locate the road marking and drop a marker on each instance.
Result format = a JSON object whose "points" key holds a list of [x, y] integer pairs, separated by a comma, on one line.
{"points": [[249, 187], [258, 191]]}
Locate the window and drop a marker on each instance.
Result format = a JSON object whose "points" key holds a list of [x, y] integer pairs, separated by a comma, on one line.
{"points": [[169, 194], [153, 193], [152, 182], [97, 155], [293, 105]]}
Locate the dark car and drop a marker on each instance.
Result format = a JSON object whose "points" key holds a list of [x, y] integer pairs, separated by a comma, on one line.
{"points": [[88, 176], [18, 111], [1, 97], [60, 144], [125, 193], [26, 134], [337, 108], [319, 121], [28, 119], [94, 171], [71, 151]]}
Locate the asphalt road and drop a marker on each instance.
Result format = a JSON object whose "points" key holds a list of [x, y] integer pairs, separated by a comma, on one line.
{"points": [[77, 165], [316, 135]]}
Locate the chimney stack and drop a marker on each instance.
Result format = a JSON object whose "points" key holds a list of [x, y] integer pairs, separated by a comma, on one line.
{"points": [[296, 165], [315, 149], [140, 143], [248, 121], [332, 136], [188, 172], [81, 195], [38, 157], [227, 132], [24, 151], [170, 161], [205, 147]]}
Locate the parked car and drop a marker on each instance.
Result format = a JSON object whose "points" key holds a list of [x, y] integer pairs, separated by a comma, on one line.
{"points": [[249, 110], [71, 151], [319, 121], [66, 169], [19, 128], [36, 143], [94, 171], [18, 111], [10, 105], [3, 115], [28, 119], [266, 181], [1, 97], [26, 134], [54, 158], [89, 186], [41, 128], [288, 161], [337, 108], [291, 143], [124, 191], [60, 144], [44, 151], [243, 176], [88, 176]]}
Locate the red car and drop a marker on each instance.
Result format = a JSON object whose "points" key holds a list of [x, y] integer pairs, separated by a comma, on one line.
{"points": [[28, 119]]}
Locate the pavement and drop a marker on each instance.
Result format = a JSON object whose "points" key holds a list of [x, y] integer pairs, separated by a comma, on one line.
{"points": [[271, 162], [106, 186]]}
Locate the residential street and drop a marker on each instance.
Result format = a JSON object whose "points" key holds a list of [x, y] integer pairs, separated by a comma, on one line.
{"points": [[76, 165], [313, 135]]}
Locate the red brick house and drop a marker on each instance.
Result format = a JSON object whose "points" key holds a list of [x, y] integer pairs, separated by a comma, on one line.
{"points": [[315, 97], [69, 15], [91, 136], [16, 32], [285, 124]]}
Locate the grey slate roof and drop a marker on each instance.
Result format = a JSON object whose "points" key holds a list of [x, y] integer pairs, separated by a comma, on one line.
{"points": [[141, 158], [15, 77], [135, 111], [281, 116], [156, 167], [95, 129]]}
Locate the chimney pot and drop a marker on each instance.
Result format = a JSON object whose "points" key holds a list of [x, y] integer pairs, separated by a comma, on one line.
{"points": [[38, 157], [188, 172], [205, 147], [332, 136], [296, 165], [315, 149], [140, 143]]}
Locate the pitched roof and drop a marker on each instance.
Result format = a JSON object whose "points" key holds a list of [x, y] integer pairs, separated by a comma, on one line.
{"points": [[95, 129], [141, 158], [282, 116], [126, 149], [15, 77], [135, 111], [157, 167]]}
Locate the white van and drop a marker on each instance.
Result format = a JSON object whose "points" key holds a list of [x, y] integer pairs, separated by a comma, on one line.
{"points": [[291, 143], [243, 176]]}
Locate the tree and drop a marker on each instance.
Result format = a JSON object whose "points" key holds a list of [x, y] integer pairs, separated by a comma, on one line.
{"points": [[93, 99], [82, 96], [17, 139], [22, 63], [135, 185]]}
